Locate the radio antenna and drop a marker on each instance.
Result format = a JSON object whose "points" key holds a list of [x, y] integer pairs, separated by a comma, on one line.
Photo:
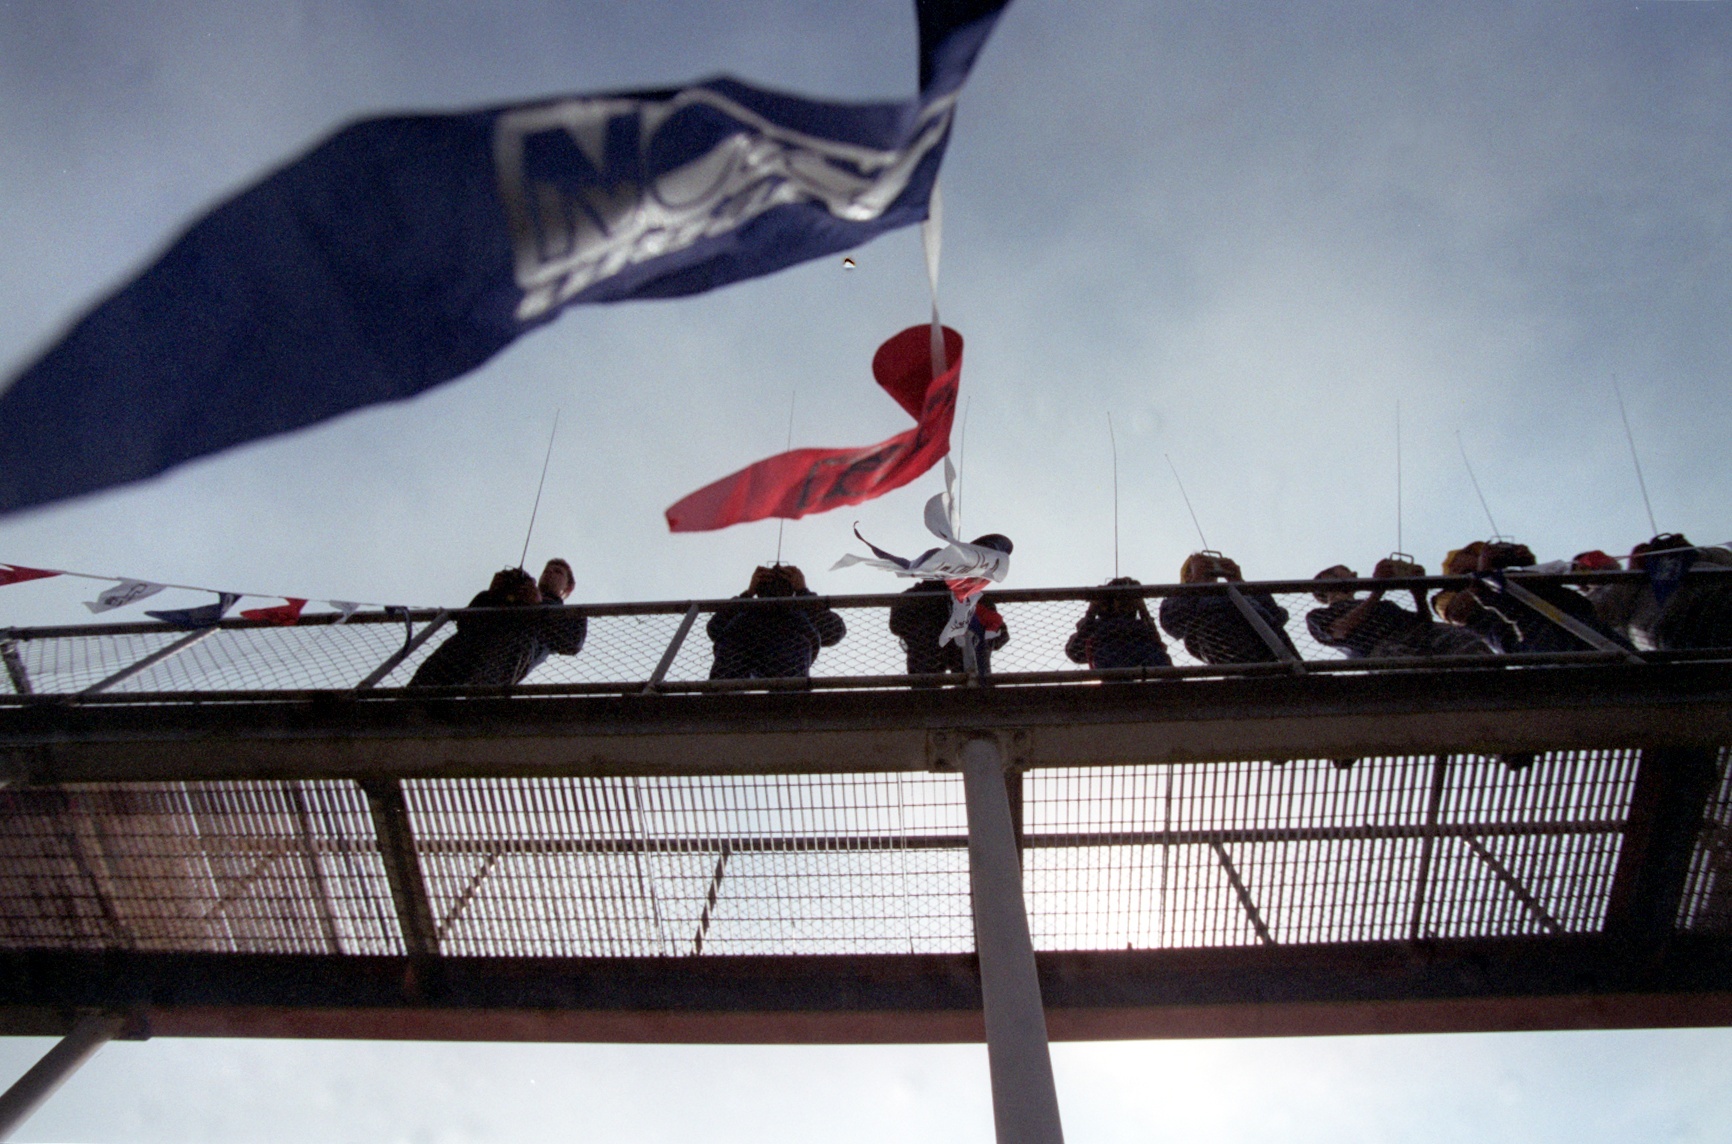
{"points": [[1188, 507], [538, 487], [1398, 545], [782, 522], [1476, 490], [1113, 437], [1635, 460]]}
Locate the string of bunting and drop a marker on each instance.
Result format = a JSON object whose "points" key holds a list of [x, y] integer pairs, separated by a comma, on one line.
{"points": [[128, 590]]}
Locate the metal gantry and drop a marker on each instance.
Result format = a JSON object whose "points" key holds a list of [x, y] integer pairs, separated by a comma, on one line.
{"points": [[262, 832]]}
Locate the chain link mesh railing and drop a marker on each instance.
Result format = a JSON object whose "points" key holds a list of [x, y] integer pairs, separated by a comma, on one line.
{"points": [[1154, 856], [861, 641]]}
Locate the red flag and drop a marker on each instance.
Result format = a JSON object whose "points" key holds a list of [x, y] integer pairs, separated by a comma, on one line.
{"points": [[17, 574], [284, 614], [805, 481]]}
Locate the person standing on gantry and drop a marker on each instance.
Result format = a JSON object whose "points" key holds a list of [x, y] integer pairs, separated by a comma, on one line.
{"points": [[920, 618], [1211, 625], [1117, 631], [772, 640], [1375, 628]]}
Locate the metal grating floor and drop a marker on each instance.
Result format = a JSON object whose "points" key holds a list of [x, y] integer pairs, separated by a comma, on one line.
{"points": [[1168, 856]]}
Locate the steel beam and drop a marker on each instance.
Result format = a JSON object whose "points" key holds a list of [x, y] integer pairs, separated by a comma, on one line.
{"points": [[396, 835], [1244, 895], [1530, 983], [1322, 716], [1024, 1096], [1428, 844]]}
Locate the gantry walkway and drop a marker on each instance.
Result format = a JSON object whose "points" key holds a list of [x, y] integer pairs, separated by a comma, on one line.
{"points": [[259, 831]]}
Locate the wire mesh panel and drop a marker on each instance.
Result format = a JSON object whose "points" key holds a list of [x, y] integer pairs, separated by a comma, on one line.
{"points": [[652, 867], [72, 663], [327, 656], [193, 867], [1306, 852], [834, 639], [1707, 903]]}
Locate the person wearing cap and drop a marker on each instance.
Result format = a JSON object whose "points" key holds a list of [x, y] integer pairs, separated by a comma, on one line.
{"points": [[1117, 631], [1211, 625], [1375, 627], [1505, 623], [923, 612], [1670, 609], [772, 641]]}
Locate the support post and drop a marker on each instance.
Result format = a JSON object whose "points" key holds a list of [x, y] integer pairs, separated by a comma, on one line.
{"points": [[90, 1033], [1024, 1097], [1673, 786]]}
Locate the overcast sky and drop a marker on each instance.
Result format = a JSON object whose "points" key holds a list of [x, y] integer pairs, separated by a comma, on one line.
{"points": [[1246, 230]]}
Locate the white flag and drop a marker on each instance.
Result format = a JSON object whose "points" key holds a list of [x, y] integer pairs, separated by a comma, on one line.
{"points": [[955, 561], [345, 609], [124, 593]]}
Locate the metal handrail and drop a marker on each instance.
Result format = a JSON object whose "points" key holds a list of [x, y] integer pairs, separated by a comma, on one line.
{"points": [[1086, 594]]}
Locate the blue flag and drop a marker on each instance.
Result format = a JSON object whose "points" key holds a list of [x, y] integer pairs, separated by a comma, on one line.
{"points": [[207, 616], [404, 252]]}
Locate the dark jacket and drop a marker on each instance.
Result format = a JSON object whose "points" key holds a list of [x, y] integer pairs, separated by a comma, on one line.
{"points": [[499, 650], [1510, 626], [920, 617], [773, 640], [553, 632], [1116, 640], [1387, 629], [1696, 611], [1214, 631]]}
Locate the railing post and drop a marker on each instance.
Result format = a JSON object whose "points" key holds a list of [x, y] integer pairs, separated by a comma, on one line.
{"points": [[404, 652], [90, 1033], [149, 661], [1024, 1097], [1569, 623], [15, 667], [674, 645], [1261, 626]]}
